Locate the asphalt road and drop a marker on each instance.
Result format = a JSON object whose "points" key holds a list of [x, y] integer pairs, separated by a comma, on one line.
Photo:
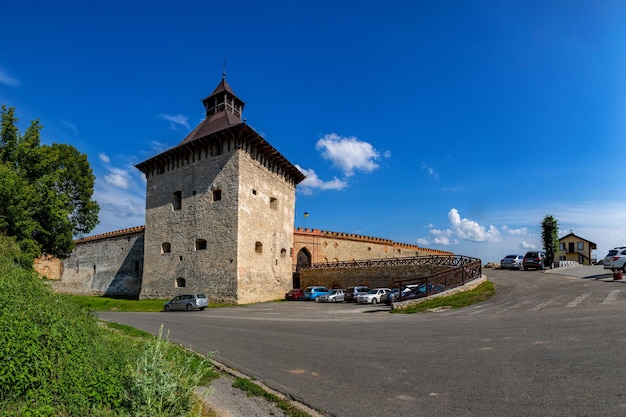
{"points": [[544, 345]]}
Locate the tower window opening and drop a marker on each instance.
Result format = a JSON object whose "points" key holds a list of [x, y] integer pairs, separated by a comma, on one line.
{"points": [[217, 195], [180, 282], [177, 200], [166, 247], [273, 203], [200, 244], [258, 247]]}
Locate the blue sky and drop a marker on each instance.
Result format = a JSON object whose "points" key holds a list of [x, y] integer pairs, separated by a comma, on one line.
{"points": [[451, 125]]}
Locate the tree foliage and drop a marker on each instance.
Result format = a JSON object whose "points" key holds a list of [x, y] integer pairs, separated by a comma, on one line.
{"points": [[550, 237], [45, 190]]}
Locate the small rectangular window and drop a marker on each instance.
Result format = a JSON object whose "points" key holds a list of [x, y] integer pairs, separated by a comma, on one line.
{"points": [[177, 200], [581, 245], [273, 203], [217, 195]]}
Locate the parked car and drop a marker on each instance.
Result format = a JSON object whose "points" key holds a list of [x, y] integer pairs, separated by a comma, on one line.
{"points": [[395, 294], [616, 259], [422, 290], [295, 294], [315, 292], [512, 262], [187, 302], [372, 296], [534, 259], [334, 296], [389, 297], [352, 293]]}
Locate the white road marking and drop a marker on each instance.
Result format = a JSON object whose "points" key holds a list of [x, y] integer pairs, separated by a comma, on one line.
{"points": [[611, 297], [542, 305], [578, 300]]}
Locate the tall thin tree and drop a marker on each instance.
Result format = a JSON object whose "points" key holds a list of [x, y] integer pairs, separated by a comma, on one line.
{"points": [[550, 237]]}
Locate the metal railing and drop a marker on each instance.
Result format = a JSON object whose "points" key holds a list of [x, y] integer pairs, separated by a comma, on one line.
{"points": [[432, 260], [463, 270], [459, 270]]}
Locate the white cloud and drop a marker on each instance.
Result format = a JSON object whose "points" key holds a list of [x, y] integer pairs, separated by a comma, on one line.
{"points": [[120, 196], [313, 182], [70, 126], [518, 231], [430, 171], [526, 245], [176, 120], [7, 79], [471, 230], [118, 178], [348, 153], [104, 158]]}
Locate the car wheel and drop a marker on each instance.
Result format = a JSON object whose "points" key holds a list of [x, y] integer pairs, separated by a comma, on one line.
{"points": [[317, 299], [374, 301], [189, 307], [168, 308], [334, 300], [624, 268]]}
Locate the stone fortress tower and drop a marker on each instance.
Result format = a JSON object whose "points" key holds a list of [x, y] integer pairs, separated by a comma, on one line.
{"points": [[219, 220], [219, 211]]}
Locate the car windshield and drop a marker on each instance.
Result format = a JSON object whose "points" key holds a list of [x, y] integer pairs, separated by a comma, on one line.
{"points": [[510, 257], [374, 291], [201, 296], [612, 252]]}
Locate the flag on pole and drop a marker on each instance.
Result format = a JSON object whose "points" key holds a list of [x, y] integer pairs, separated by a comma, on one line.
{"points": [[306, 214]]}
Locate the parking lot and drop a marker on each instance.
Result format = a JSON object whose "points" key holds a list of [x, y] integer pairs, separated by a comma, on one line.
{"points": [[545, 344]]}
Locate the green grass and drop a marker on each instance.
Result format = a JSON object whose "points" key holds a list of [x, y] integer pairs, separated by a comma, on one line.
{"points": [[103, 303], [98, 303], [253, 390], [463, 299]]}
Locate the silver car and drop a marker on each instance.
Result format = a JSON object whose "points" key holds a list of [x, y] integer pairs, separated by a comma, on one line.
{"points": [[512, 262], [187, 302], [334, 296]]}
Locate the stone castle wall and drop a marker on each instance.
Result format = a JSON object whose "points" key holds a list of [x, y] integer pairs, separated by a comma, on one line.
{"points": [[372, 277], [109, 264], [176, 225], [265, 238], [48, 266], [330, 247]]}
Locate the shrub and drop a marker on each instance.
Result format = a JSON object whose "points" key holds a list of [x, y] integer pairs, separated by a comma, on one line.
{"points": [[57, 360], [54, 355], [164, 380]]}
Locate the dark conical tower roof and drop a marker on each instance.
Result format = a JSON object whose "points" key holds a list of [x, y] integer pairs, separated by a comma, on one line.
{"points": [[223, 122]]}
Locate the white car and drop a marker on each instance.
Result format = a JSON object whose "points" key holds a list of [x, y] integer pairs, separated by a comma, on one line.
{"points": [[616, 259], [372, 296], [334, 296]]}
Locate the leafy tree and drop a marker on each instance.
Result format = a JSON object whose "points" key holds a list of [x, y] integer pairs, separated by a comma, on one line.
{"points": [[45, 191], [8, 135], [550, 237]]}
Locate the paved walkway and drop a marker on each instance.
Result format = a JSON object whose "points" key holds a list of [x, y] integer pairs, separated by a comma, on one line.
{"points": [[588, 272]]}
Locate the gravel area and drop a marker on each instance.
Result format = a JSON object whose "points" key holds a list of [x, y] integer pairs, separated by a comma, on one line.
{"points": [[227, 401]]}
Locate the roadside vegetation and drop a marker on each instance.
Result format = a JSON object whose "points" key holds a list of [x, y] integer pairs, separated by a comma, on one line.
{"points": [[57, 360], [463, 299], [97, 303], [253, 390]]}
